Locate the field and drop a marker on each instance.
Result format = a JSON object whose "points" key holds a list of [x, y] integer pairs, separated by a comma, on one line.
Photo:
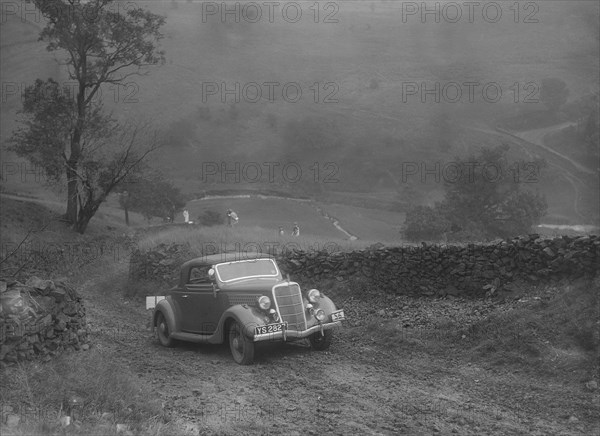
{"points": [[363, 62], [522, 365]]}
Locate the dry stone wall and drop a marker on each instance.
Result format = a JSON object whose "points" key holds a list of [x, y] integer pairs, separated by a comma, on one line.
{"points": [[40, 318], [469, 270], [472, 270]]}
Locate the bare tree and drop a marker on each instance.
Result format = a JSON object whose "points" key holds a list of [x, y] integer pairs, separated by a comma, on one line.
{"points": [[102, 46]]}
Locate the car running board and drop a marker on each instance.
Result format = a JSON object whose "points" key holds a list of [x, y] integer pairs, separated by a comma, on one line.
{"points": [[191, 337]]}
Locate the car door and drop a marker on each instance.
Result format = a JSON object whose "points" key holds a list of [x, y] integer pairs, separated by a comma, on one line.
{"points": [[200, 308]]}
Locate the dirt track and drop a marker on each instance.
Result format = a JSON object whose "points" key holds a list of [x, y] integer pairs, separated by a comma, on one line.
{"points": [[357, 387]]}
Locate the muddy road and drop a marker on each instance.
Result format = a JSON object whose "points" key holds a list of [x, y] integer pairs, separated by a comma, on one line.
{"points": [[357, 387]]}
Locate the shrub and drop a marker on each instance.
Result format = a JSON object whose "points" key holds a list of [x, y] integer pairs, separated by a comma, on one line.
{"points": [[211, 218], [425, 223]]}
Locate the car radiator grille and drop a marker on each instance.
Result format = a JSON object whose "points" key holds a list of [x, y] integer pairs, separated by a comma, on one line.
{"points": [[289, 302], [242, 299]]}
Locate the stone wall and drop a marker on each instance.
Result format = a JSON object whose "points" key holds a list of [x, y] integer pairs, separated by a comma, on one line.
{"points": [[469, 270], [39, 319], [426, 270]]}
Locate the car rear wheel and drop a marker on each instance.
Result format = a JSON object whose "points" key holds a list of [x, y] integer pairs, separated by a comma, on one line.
{"points": [[242, 348], [162, 331], [320, 341]]}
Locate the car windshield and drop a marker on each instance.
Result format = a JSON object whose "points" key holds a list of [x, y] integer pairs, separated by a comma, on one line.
{"points": [[246, 269]]}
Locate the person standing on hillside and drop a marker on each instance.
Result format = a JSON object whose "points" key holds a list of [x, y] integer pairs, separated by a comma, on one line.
{"points": [[280, 231], [186, 216], [232, 218], [296, 230]]}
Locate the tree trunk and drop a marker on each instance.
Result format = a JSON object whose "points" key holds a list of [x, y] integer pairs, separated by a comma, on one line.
{"points": [[85, 215], [75, 154], [71, 214]]}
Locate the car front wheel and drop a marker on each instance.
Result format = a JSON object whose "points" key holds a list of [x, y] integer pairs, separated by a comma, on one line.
{"points": [[242, 348], [320, 341], [162, 331]]}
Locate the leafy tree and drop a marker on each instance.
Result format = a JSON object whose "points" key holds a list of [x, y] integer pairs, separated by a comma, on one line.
{"points": [[483, 199], [553, 93], [107, 152], [488, 195], [102, 47], [152, 195], [425, 223]]}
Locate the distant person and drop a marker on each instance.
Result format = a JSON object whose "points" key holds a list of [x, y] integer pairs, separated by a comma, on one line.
{"points": [[232, 218], [280, 231], [186, 216], [296, 230]]}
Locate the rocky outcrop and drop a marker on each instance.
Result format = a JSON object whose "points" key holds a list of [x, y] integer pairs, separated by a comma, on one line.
{"points": [[426, 270], [39, 319]]}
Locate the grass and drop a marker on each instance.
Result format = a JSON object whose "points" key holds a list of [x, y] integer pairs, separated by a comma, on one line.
{"points": [[549, 335], [172, 94], [203, 240], [39, 394]]}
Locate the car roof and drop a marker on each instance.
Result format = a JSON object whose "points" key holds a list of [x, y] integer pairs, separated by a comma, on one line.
{"points": [[226, 257]]}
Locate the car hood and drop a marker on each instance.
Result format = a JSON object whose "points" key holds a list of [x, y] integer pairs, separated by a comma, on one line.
{"points": [[257, 285]]}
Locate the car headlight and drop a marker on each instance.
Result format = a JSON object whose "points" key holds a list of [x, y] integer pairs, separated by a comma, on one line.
{"points": [[264, 302], [320, 315], [313, 295]]}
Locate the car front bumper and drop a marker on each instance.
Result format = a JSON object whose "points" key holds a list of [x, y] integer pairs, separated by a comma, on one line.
{"points": [[295, 334]]}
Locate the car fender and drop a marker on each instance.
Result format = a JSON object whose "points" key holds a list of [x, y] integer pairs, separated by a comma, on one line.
{"points": [[167, 309], [326, 304], [246, 316]]}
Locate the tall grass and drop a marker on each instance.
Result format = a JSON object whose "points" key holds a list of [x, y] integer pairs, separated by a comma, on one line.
{"points": [[556, 334], [110, 392]]}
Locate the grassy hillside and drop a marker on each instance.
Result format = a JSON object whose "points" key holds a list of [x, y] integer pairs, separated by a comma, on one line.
{"points": [[367, 57]]}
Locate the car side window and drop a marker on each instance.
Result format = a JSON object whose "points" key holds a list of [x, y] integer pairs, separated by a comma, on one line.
{"points": [[199, 274]]}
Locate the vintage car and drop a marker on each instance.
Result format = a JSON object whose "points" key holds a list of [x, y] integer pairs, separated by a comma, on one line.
{"points": [[242, 298]]}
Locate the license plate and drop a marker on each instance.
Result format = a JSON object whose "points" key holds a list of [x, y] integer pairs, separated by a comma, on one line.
{"points": [[269, 328], [338, 315]]}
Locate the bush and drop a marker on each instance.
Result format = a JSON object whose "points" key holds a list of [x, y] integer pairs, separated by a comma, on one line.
{"points": [[425, 223], [479, 206], [211, 218]]}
